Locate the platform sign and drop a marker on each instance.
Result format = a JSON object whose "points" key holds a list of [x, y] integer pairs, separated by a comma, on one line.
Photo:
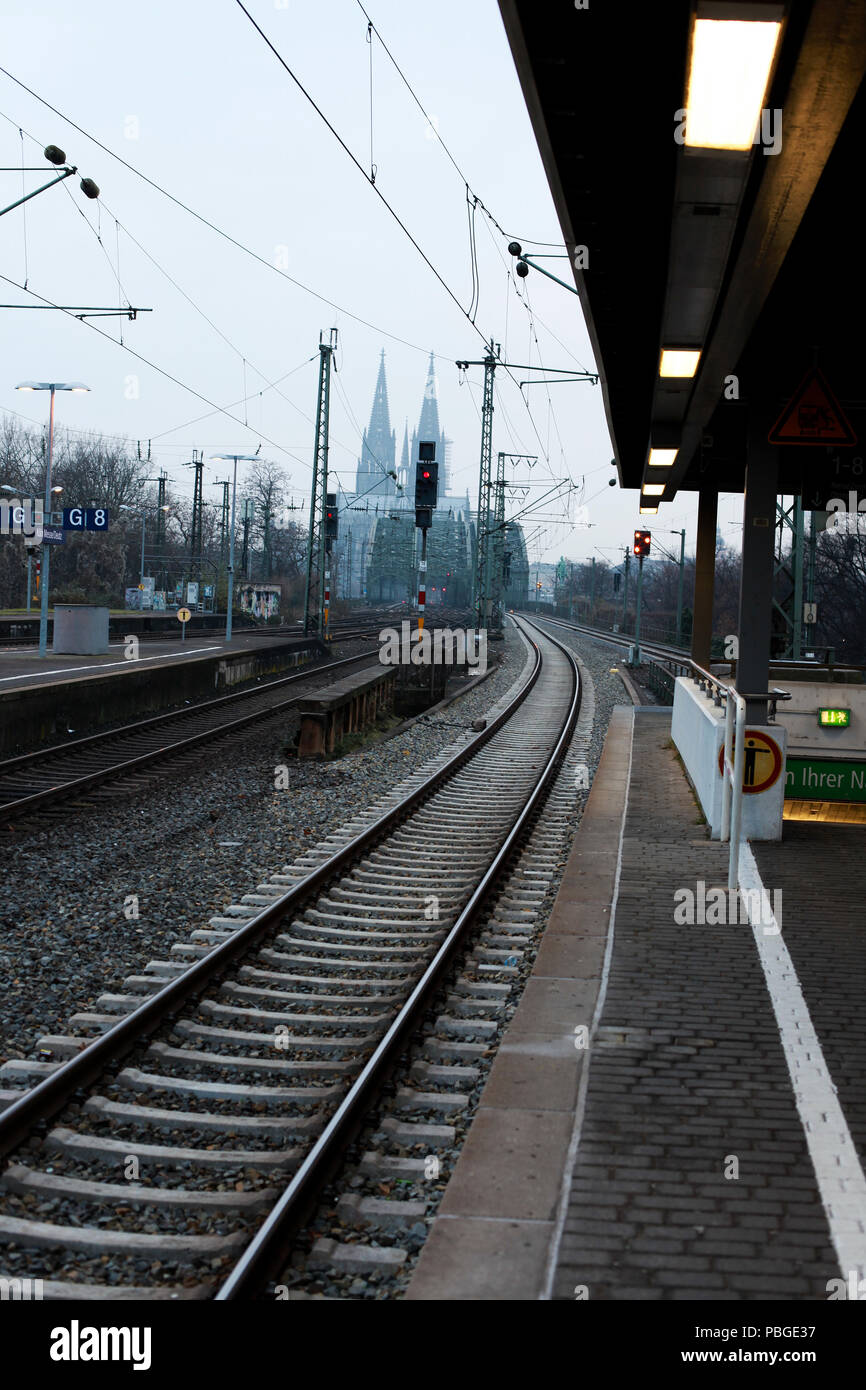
{"points": [[85, 519], [52, 535], [813, 416], [762, 763], [824, 779]]}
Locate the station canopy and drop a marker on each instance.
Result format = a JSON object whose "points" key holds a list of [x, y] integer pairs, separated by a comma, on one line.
{"points": [[749, 255]]}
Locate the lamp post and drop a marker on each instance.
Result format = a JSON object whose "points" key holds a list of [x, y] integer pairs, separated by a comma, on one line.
{"points": [[51, 386], [220, 458]]}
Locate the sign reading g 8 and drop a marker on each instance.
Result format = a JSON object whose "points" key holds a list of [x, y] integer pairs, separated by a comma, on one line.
{"points": [[85, 519]]}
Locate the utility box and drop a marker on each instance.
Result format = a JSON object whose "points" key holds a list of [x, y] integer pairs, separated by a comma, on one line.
{"points": [[80, 629]]}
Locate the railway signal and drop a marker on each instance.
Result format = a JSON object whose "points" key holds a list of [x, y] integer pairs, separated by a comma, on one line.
{"points": [[641, 549], [332, 520], [426, 484], [426, 492]]}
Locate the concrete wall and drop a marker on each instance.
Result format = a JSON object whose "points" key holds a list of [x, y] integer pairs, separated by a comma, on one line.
{"points": [[799, 715], [698, 730]]}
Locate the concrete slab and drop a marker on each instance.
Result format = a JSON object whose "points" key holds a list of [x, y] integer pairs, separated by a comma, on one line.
{"points": [[496, 1222], [467, 1260], [508, 1171]]}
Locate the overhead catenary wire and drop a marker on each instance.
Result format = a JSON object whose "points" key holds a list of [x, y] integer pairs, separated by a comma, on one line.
{"points": [[212, 226], [156, 368], [433, 125], [358, 165]]}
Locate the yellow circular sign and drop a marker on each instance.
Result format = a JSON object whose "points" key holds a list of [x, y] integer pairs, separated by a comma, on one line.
{"points": [[183, 615], [762, 762]]}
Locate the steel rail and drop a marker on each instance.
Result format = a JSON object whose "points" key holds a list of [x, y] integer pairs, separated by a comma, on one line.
{"points": [[272, 1243], [48, 1096]]}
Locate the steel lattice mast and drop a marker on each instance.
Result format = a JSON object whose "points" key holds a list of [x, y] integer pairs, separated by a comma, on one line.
{"points": [[314, 593], [481, 596]]}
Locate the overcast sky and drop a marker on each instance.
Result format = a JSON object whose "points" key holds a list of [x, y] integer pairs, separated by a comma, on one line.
{"points": [[190, 95]]}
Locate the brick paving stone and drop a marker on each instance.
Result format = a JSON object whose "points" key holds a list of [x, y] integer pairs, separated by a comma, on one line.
{"points": [[687, 1068]]}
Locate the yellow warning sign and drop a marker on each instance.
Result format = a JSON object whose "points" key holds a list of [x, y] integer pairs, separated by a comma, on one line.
{"points": [[762, 763], [183, 615], [813, 416]]}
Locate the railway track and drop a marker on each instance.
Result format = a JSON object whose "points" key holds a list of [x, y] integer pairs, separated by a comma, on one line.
{"points": [[660, 651], [223, 1085], [34, 781]]}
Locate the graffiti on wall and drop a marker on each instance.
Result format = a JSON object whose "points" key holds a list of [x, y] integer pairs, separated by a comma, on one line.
{"points": [[260, 600]]}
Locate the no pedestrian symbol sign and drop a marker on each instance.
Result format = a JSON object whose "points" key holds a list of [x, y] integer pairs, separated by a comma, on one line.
{"points": [[813, 416], [762, 764]]}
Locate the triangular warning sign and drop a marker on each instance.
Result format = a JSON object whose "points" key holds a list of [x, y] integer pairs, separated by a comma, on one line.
{"points": [[813, 416]]}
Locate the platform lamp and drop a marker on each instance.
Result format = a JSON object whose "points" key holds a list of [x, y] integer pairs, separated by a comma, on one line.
{"points": [[51, 386], [233, 459]]}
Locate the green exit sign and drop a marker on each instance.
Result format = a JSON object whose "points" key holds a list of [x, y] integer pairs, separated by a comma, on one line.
{"points": [[834, 718]]}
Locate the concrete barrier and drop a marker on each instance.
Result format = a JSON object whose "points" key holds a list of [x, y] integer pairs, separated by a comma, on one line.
{"points": [[698, 730], [347, 707]]}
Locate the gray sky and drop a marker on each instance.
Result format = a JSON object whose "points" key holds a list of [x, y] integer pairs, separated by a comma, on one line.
{"points": [[191, 96]]}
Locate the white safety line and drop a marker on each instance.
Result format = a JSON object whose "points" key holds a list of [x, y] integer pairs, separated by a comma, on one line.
{"points": [[546, 1294], [841, 1181], [107, 665]]}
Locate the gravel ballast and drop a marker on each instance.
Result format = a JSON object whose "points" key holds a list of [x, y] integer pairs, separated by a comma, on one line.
{"points": [[108, 886]]}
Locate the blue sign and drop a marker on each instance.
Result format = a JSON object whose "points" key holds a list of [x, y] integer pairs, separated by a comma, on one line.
{"points": [[52, 535], [85, 519]]}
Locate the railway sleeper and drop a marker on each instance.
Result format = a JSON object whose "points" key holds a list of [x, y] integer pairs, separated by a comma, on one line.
{"points": [[378, 1211], [114, 1152], [192, 1057], [272, 1018], [99, 1240], [133, 1079], [56, 1186], [231, 1126]]}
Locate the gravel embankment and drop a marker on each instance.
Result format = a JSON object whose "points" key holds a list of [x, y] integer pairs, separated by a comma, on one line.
{"points": [[185, 845]]}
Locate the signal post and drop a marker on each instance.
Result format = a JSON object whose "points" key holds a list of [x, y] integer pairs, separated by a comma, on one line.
{"points": [[642, 541], [426, 491]]}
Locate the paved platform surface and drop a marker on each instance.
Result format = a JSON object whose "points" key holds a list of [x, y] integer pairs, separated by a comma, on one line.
{"points": [[24, 667], [675, 1158]]}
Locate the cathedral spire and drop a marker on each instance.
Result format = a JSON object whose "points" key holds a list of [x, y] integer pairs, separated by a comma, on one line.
{"points": [[379, 448], [428, 425]]}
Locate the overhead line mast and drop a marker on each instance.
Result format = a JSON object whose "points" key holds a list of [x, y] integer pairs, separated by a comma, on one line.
{"points": [[315, 611]]}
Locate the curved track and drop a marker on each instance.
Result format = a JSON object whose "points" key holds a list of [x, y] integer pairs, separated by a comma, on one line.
{"points": [[266, 1052], [660, 651]]}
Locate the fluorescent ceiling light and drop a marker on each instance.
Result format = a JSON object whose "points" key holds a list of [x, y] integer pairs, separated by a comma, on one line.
{"points": [[648, 511], [662, 458], [679, 361], [653, 489], [730, 68]]}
